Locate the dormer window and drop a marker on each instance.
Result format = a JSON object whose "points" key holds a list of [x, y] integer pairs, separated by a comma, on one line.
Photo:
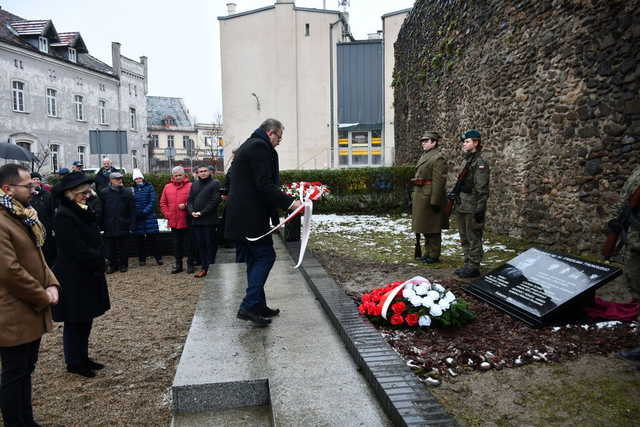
{"points": [[73, 56], [43, 44]]}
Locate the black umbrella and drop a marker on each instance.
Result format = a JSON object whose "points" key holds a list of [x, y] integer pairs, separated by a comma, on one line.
{"points": [[14, 152]]}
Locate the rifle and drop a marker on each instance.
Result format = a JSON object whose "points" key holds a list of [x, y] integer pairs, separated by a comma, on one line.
{"points": [[453, 194], [417, 252], [616, 236]]}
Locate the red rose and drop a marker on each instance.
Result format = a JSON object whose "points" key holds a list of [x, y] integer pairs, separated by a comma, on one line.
{"points": [[366, 298], [362, 309], [396, 319], [371, 308], [375, 298], [399, 307], [412, 319], [378, 310]]}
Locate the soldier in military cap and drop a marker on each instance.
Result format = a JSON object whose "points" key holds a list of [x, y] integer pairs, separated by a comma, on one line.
{"points": [[471, 204], [429, 197]]}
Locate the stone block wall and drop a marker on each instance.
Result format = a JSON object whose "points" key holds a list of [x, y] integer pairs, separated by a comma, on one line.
{"points": [[553, 86]]}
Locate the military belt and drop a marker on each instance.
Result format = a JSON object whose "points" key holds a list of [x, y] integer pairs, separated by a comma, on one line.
{"points": [[420, 182]]}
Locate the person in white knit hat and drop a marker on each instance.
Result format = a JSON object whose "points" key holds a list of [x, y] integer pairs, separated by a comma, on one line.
{"points": [[145, 226]]}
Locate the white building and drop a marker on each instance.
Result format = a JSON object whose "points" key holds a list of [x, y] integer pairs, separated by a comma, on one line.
{"points": [[279, 61], [53, 93]]}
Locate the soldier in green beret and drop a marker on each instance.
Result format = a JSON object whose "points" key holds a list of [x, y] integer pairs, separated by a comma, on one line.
{"points": [[471, 205], [429, 197]]}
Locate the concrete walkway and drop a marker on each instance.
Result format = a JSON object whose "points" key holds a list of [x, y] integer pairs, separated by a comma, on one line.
{"points": [[294, 372]]}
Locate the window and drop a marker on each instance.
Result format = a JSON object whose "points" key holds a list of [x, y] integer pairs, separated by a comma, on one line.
{"points": [[81, 153], [52, 107], [134, 158], [73, 55], [43, 44], [185, 141], [360, 148], [102, 112], [170, 141], [154, 141], [135, 90], [54, 149], [132, 119], [376, 147], [18, 96], [24, 144], [306, 30], [78, 103]]}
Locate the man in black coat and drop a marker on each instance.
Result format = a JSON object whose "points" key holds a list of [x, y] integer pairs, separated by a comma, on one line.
{"points": [[102, 176], [256, 194], [43, 203], [202, 205], [116, 220]]}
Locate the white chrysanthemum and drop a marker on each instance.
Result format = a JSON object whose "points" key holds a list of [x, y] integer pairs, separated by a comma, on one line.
{"points": [[408, 292], [444, 305], [449, 296], [438, 287], [426, 302], [415, 300], [435, 310], [424, 320], [433, 295], [423, 288]]}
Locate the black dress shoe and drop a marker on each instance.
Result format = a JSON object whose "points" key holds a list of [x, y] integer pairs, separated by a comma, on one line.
{"points": [[270, 312], [159, 261], [124, 269], [190, 269], [83, 370], [257, 319], [111, 270], [94, 365], [469, 272], [142, 262], [631, 354]]}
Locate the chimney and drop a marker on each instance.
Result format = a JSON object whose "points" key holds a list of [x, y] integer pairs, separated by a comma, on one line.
{"points": [[231, 8], [115, 58], [145, 65]]}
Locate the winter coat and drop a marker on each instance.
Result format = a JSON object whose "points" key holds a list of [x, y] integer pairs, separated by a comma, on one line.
{"points": [[102, 178], [44, 204], [431, 168], [118, 211], [204, 197], [80, 264], [25, 313], [146, 221], [174, 194], [474, 191], [255, 188]]}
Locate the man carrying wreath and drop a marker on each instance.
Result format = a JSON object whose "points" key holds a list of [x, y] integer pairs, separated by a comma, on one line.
{"points": [[256, 194]]}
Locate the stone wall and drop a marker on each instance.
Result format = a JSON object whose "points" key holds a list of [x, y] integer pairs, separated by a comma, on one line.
{"points": [[554, 88]]}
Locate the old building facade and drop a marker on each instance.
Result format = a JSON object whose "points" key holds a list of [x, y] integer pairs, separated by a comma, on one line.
{"points": [[53, 94]]}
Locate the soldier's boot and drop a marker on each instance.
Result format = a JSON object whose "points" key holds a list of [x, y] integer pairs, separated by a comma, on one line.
{"points": [[469, 272], [178, 267], [457, 271]]}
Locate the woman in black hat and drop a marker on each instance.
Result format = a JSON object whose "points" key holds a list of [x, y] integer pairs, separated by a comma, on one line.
{"points": [[80, 268]]}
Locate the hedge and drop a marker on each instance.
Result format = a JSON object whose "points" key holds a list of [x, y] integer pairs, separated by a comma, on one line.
{"points": [[362, 190]]}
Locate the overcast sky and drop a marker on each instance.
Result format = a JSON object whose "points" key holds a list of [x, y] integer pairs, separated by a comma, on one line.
{"points": [[180, 38]]}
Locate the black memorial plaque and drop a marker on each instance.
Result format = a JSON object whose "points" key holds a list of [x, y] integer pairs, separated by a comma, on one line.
{"points": [[539, 286]]}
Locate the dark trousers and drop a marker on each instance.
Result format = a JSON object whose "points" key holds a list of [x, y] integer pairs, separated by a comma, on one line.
{"points": [[18, 364], [75, 338], [260, 257], [148, 245], [116, 248], [182, 244], [205, 239]]}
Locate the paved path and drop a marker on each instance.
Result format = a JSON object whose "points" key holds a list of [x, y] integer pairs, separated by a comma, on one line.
{"points": [[294, 372]]}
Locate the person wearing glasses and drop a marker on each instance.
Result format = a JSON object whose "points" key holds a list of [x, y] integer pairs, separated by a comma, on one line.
{"points": [[471, 205], [204, 198], [255, 194], [27, 290], [429, 197]]}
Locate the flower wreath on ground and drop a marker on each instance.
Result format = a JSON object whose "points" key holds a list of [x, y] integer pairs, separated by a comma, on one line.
{"points": [[301, 190], [416, 302]]}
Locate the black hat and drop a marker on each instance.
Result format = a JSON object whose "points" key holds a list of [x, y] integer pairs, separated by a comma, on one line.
{"points": [[71, 180], [35, 175], [77, 163]]}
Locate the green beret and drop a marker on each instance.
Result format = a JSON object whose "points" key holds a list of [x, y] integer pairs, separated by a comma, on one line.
{"points": [[472, 134]]}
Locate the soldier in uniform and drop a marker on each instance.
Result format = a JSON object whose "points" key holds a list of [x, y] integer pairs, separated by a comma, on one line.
{"points": [[471, 204], [632, 249], [429, 197]]}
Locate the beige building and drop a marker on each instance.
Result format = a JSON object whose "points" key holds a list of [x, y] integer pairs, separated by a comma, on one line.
{"points": [[210, 144], [391, 24], [277, 62]]}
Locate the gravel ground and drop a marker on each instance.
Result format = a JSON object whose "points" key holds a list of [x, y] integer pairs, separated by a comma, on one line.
{"points": [[140, 340]]}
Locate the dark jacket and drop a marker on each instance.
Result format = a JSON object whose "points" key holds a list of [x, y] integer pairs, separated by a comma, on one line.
{"points": [[44, 204], [255, 188], [80, 265], [118, 211], [102, 178], [204, 197], [145, 221]]}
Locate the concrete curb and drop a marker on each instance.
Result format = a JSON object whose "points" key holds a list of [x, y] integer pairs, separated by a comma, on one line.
{"points": [[405, 400]]}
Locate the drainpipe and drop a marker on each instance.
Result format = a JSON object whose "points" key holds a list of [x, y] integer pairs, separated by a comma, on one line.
{"points": [[333, 142]]}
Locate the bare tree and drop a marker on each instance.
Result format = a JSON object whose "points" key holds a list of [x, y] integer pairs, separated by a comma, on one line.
{"points": [[211, 151], [41, 157]]}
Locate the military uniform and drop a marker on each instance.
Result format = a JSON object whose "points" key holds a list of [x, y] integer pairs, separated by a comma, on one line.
{"points": [[471, 206], [429, 199], [632, 246]]}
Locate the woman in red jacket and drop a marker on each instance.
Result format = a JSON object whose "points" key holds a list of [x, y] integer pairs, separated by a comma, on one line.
{"points": [[173, 204]]}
